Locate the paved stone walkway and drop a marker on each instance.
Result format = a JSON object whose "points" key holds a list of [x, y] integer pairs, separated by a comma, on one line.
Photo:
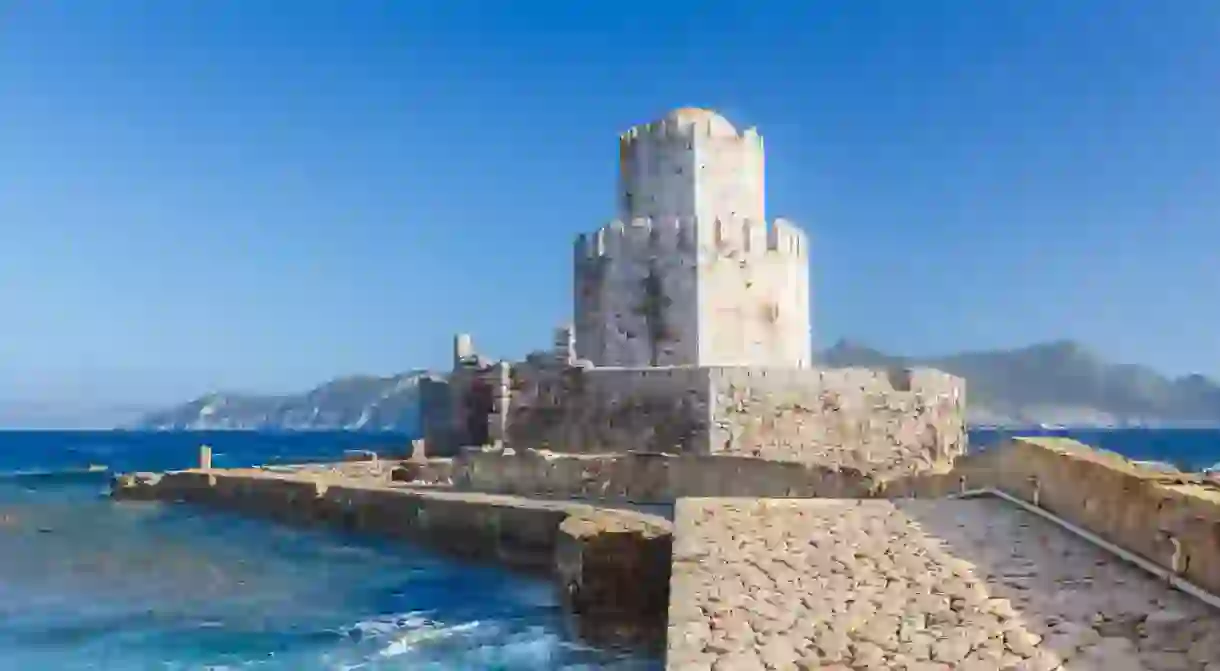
{"points": [[918, 584]]}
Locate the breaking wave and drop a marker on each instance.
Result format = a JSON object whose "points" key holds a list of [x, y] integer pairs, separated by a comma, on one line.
{"points": [[90, 585]]}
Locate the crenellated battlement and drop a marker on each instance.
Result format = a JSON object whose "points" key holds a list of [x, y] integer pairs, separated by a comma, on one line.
{"points": [[666, 131], [691, 271], [786, 237], [640, 238], [657, 237]]}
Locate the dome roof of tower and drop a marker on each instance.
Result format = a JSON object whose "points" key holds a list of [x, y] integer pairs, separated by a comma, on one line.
{"points": [[689, 116]]}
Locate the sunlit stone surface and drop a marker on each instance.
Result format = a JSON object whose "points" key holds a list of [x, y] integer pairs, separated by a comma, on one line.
{"points": [[945, 584]]}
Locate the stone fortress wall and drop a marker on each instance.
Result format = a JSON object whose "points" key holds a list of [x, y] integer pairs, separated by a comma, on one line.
{"points": [[872, 420], [853, 417], [691, 273], [660, 292], [692, 335], [693, 163]]}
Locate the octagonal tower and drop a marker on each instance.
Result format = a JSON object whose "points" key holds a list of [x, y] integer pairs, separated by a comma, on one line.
{"points": [[691, 273]]}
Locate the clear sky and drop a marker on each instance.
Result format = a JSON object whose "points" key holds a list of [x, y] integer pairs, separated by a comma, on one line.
{"points": [[260, 195]]}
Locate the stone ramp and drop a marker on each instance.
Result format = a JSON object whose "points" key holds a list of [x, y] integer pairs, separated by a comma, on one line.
{"points": [[915, 584]]}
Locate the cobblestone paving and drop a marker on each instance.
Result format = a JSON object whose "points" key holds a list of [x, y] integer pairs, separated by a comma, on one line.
{"points": [[949, 584]]}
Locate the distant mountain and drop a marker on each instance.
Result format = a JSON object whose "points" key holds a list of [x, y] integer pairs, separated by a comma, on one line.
{"points": [[1060, 383], [353, 403]]}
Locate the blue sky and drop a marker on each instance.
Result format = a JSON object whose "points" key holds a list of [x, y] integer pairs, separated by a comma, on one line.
{"points": [[260, 195]]}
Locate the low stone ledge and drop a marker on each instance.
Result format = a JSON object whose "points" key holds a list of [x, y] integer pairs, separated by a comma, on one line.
{"points": [[653, 478], [616, 560], [1169, 518], [614, 563]]}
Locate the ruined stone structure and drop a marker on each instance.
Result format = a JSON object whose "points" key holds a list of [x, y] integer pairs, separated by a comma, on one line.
{"points": [[877, 544], [692, 335], [691, 273]]}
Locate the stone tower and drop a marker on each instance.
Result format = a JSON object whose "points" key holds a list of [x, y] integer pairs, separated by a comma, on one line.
{"points": [[691, 273]]}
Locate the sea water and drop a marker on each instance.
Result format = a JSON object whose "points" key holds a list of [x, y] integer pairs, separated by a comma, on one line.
{"points": [[88, 583]]}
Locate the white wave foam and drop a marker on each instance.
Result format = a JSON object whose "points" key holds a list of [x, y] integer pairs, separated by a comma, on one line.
{"points": [[427, 634], [388, 625]]}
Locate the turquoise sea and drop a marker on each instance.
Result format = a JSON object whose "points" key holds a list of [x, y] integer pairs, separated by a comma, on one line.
{"points": [[86, 583]]}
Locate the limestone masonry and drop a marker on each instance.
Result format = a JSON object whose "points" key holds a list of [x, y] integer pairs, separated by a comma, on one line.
{"points": [[822, 518], [947, 582], [691, 273], [692, 335]]}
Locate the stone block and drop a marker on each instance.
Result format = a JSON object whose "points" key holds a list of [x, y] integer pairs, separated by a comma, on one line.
{"points": [[614, 563]]}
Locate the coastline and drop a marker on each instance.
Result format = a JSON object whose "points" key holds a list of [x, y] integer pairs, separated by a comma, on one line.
{"points": [[616, 567], [609, 564]]}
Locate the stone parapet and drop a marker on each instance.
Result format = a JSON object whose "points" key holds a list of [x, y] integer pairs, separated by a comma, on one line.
{"points": [[601, 410], [649, 478], [878, 421], [1169, 518], [594, 551]]}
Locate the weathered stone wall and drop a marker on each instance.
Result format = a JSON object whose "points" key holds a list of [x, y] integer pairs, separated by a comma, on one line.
{"points": [[501, 528], [469, 407], [1140, 509], [753, 292], [690, 273], [599, 410], [1143, 510], [589, 550], [692, 163], [437, 416], [602, 559], [635, 301], [873, 420], [726, 292], [650, 478]]}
